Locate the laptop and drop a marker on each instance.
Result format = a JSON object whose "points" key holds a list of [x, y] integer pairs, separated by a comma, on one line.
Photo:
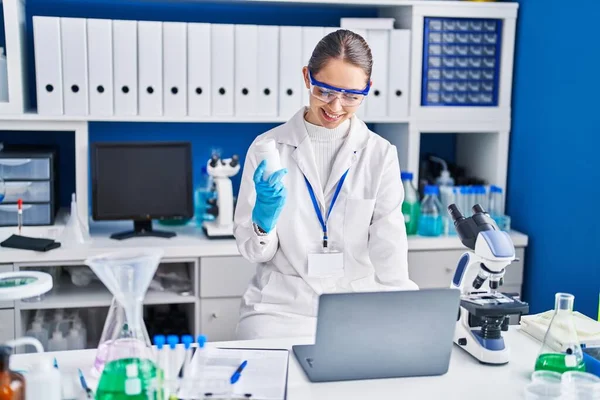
{"points": [[373, 335]]}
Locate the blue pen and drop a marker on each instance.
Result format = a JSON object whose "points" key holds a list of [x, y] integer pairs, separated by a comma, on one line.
{"points": [[84, 385], [238, 372]]}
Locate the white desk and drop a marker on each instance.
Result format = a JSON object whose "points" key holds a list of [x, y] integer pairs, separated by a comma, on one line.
{"points": [[466, 378]]}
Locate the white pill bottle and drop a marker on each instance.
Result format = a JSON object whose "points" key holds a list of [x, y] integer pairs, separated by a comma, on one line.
{"points": [[267, 150]]}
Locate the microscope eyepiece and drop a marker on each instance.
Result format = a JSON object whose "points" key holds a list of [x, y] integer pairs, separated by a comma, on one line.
{"points": [[234, 160], [477, 209], [214, 160], [455, 213]]}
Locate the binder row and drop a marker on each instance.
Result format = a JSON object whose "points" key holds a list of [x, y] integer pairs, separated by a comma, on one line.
{"points": [[101, 68]]}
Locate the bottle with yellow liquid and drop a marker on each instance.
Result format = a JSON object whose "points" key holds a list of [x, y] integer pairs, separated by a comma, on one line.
{"points": [[561, 350]]}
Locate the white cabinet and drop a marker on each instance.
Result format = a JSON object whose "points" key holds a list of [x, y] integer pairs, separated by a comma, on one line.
{"points": [[225, 276], [7, 325], [435, 268], [219, 317]]}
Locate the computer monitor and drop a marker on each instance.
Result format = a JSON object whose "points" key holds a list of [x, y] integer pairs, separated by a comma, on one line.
{"points": [[141, 181]]}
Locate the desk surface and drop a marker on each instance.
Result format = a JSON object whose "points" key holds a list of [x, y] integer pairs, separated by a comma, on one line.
{"points": [[466, 378], [190, 242]]}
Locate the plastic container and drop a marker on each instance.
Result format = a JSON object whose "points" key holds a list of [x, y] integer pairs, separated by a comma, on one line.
{"points": [[580, 385], [267, 150], [410, 205], [24, 168], [430, 219], [58, 342], [28, 191], [33, 214], [37, 331], [543, 391]]}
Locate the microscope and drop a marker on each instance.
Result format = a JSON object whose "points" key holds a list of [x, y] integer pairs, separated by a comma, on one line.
{"points": [[222, 207], [484, 312]]}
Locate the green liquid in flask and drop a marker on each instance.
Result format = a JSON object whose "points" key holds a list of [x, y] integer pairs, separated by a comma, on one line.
{"points": [[118, 382], [556, 362]]}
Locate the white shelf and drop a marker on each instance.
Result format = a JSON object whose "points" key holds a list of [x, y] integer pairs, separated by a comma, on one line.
{"points": [[27, 117], [96, 295]]}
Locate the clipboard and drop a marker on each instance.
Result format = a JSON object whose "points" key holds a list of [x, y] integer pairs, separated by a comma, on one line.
{"points": [[253, 383]]}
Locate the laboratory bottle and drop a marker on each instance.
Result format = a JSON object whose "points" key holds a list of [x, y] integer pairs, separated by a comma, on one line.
{"points": [[12, 384], [58, 342], [430, 218], [561, 350], [267, 150], [39, 332], [495, 201], [43, 380], [410, 205], [74, 339]]}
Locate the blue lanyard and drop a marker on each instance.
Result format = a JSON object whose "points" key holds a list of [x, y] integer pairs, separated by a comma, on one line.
{"points": [[333, 200]]}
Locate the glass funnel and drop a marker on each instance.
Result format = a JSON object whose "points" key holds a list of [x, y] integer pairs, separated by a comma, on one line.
{"points": [[561, 350], [125, 360]]}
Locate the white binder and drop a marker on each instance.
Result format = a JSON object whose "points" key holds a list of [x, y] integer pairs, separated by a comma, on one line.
{"points": [[100, 66], [399, 73], [125, 67], [199, 75], [268, 70], [311, 35], [150, 71], [291, 83], [376, 105], [175, 68], [361, 110], [222, 68], [48, 65], [246, 69], [73, 38]]}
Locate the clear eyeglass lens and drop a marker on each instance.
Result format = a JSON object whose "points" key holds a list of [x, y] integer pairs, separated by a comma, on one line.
{"points": [[327, 96]]}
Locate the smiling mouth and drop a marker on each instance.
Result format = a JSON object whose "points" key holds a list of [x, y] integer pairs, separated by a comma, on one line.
{"points": [[331, 117]]}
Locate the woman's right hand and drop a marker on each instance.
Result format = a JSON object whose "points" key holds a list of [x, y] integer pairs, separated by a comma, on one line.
{"points": [[270, 197]]}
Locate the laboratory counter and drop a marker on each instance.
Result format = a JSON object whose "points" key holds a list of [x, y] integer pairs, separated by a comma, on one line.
{"points": [[190, 242], [465, 379]]}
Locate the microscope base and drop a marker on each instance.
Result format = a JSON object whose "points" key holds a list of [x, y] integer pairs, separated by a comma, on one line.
{"points": [[215, 231], [494, 352]]}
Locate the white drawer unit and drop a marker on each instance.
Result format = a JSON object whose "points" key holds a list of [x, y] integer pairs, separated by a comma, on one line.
{"points": [[33, 214], [6, 304], [28, 191], [7, 325], [225, 276], [219, 318], [435, 268]]}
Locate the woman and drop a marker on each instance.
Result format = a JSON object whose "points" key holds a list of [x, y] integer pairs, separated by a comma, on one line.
{"points": [[286, 224]]}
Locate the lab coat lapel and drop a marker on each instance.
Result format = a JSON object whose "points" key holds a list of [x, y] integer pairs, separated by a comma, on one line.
{"points": [[356, 140], [304, 157], [295, 134]]}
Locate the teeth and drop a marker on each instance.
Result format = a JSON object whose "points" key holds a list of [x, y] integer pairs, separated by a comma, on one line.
{"points": [[331, 115]]}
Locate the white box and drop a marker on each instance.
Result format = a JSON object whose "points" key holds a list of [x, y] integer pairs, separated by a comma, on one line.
{"points": [[48, 65], [246, 69], [125, 67], [150, 71], [175, 68], [100, 66], [222, 68]]}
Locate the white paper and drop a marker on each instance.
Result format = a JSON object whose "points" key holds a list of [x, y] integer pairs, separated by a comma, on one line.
{"points": [[265, 375]]}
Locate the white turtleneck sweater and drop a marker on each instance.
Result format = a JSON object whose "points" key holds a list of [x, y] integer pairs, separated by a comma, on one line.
{"points": [[325, 144]]}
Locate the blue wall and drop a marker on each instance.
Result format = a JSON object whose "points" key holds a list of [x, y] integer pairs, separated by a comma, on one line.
{"points": [[554, 175], [230, 138]]}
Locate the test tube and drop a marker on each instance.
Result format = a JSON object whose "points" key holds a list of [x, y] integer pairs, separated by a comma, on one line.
{"points": [[162, 361], [173, 369], [187, 341]]}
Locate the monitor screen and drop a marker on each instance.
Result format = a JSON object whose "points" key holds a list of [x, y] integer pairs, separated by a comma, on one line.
{"points": [[142, 180]]}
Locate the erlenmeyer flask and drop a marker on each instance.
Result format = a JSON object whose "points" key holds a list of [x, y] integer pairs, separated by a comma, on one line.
{"points": [[112, 336], [561, 350], [129, 370]]}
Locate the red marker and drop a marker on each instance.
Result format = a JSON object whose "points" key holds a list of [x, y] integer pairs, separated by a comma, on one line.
{"points": [[20, 214]]}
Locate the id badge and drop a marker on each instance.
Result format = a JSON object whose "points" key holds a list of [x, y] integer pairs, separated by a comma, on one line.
{"points": [[326, 262]]}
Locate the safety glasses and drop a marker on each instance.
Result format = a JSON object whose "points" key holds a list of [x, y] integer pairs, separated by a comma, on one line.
{"points": [[328, 93]]}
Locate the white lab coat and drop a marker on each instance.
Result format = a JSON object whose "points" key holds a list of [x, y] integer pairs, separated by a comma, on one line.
{"points": [[366, 221]]}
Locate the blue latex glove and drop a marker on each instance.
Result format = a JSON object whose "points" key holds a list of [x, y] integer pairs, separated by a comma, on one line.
{"points": [[270, 197]]}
